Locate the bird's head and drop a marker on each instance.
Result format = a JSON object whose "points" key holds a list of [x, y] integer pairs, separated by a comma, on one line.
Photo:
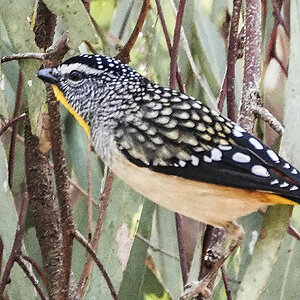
{"points": [[89, 84]]}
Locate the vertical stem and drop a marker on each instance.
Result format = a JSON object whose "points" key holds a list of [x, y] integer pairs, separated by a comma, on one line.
{"points": [[231, 59], [182, 252], [251, 78], [16, 248], [176, 38], [90, 202]]}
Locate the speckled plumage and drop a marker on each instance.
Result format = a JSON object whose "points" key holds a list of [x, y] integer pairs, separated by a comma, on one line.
{"points": [[167, 132]]}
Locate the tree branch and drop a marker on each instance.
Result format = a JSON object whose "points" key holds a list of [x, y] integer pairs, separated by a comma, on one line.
{"points": [[123, 55], [251, 77], [16, 248], [78, 236], [176, 39], [231, 59]]}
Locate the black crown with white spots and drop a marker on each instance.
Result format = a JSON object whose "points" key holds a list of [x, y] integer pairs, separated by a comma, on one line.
{"points": [[172, 133]]}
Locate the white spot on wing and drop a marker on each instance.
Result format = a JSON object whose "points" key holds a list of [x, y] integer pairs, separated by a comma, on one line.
{"points": [[195, 160], [275, 181], [257, 145], [273, 155], [216, 154], [241, 157], [284, 184], [182, 163], [294, 171], [207, 159], [259, 170], [286, 166], [239, 128], [237, 133], [294, 188], [224, 147]]}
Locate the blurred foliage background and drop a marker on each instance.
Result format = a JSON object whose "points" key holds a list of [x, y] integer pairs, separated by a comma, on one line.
{"points": [[138, 243]]}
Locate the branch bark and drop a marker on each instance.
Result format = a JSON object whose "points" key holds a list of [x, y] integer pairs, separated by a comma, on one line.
{"points": [[251, 77]]}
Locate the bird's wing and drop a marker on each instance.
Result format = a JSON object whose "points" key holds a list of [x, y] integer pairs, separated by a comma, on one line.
{"points": [[180, 136]]}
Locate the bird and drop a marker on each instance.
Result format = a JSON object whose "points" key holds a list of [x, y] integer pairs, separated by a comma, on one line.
{"points": [[170, 147]]}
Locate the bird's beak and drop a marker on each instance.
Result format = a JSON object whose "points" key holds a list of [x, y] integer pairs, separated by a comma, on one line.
{"points": [[47, 76]]}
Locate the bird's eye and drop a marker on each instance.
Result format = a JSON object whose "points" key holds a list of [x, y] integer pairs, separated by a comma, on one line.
{"points": [[75, 75]]}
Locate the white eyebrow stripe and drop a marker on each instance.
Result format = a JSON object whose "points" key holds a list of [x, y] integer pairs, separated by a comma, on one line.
{"points": [[67, 69]]}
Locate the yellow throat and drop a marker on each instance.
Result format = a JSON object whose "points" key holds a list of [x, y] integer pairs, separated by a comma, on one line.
{"points": [[61, 98]]}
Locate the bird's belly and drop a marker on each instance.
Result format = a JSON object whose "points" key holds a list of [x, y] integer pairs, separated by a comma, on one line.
{"points": [[207, 203]]}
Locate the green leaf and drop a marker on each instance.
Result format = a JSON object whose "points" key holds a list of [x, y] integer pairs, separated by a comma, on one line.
{"points": [[22, 38], [20, 287], [284, 279], [134, 278], [122, 215], [266, 251], [164, 236], [76, 20]]}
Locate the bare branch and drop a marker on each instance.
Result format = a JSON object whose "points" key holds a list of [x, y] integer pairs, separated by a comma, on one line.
{"points": [[18, 56], [31, 277], [11, 122], [155, 249], [78, 236], [252, 74], [16, 248], [123, 55], [265, 115], [176, 39], [98, 230], [226, 285], [36, 267], [169, 45], [231, 59]]}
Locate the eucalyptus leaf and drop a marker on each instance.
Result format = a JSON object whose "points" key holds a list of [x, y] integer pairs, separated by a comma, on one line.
{"points": [[22, 38], [20, 286], [76, 20]]}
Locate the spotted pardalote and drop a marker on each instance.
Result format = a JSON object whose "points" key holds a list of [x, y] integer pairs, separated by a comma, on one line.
{"points": [[170, 147]]}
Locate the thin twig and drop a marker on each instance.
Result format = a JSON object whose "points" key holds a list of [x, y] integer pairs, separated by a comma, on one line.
{"points": [[181, 248], [283, 67], [155, 249], [18, 56], [79, 237], [265, 115], [31, 277], [226, 285], [36, 267], [222, 93], [193, 65], [98, 230], [13, 138], [89, 199], [291, 230], [169, 45], [278, 16], [173, 68], [123, 55], [16, 248], [176, 39], [231, 59], [11, 122]]}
